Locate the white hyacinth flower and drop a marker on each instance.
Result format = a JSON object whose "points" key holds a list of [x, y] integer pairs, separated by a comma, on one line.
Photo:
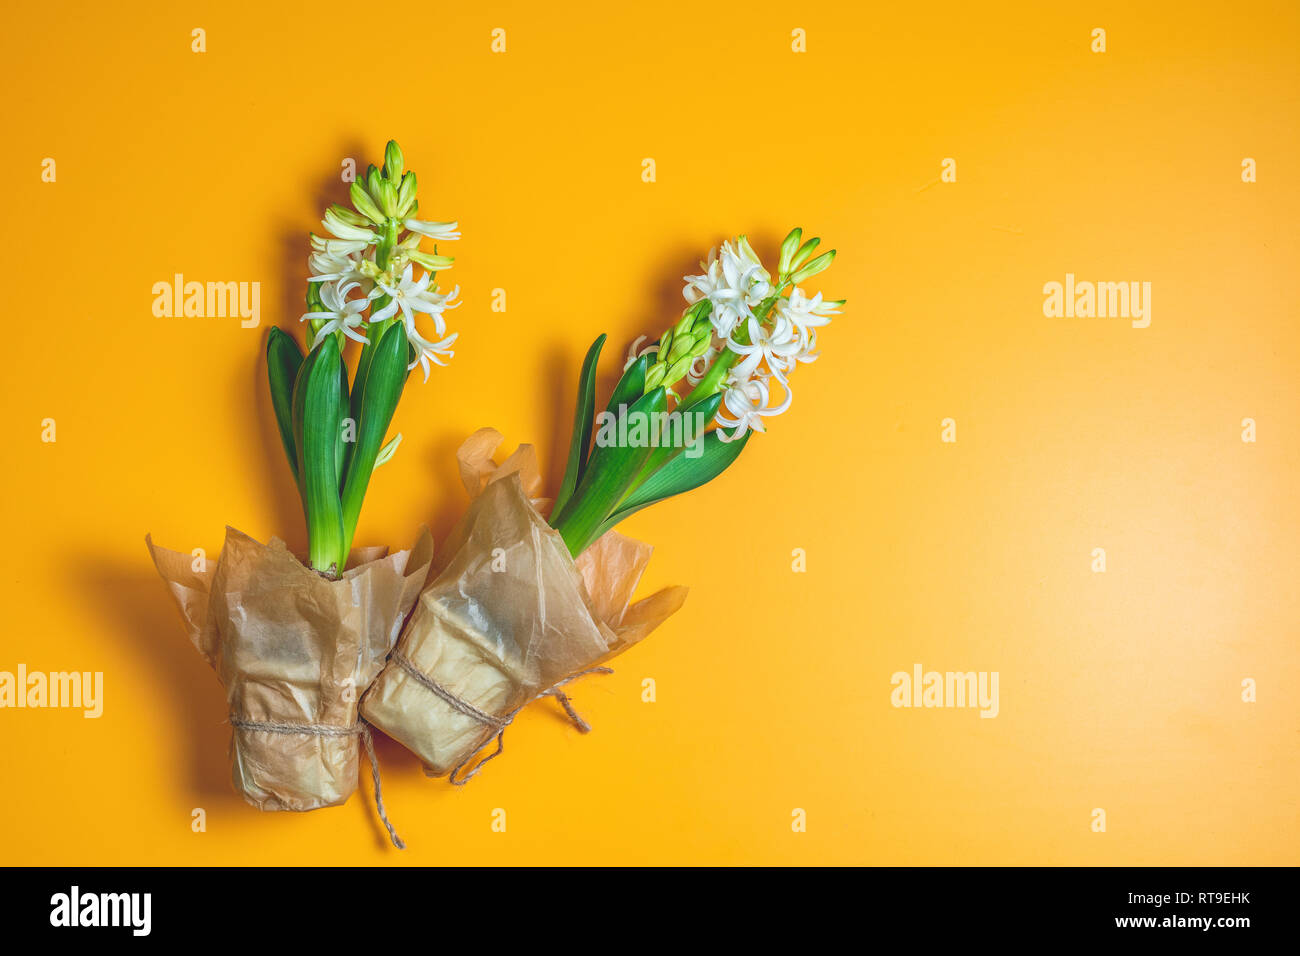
{"points": [[338, 247], [434, 230], [413, 297], [342, 315], [334, 267], [734, 281], [778, 345], [700, 367], [345, 230], [435, 352], [806, 315], [808, 354], [410, 296], [635, 351], [745, 404]]}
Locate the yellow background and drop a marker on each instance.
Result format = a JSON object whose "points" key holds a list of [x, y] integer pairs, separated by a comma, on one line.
{"points": [[1119, 690]]}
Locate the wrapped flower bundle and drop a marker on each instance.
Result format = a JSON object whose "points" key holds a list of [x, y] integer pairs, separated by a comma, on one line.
{"points": [[526, 604], [296, 644]]}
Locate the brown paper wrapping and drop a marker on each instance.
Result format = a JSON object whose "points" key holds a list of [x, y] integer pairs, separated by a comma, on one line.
{"points": [[293, 647], [509, 615]]}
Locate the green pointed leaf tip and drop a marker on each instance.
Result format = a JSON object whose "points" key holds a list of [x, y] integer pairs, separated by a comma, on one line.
{"points": [[631, 385], [283, 360]]}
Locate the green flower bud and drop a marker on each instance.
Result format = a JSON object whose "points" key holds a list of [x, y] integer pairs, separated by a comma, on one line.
{"points": [[804, 252], [678, 368], [743, 243], [431, 262], [665, 342], [682, 345], [788, 247], [685, 324], [393, 160], [387, 198], [365, 205], [373, 179], [406, 195], [348, 216], [819, 264], [703, 339], [654, 375]]}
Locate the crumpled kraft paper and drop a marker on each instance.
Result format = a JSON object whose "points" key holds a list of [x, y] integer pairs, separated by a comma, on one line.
{"points": [[509, 615], [293, 647]]}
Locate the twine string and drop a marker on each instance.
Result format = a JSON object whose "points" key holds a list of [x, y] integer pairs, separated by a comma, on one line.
{"points": [[360, 728], [499, 724]]}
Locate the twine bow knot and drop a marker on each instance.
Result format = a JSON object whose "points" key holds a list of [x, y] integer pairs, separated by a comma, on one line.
{"points": [[498, 724]]}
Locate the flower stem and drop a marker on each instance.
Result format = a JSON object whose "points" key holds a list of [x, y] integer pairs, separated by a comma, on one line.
{"points": [[374, 332]]}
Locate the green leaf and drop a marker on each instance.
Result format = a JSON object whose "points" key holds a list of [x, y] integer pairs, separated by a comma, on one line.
{"points": [[612, 469], [374, 334], [283, 359], [343, 453], [583, 415], [377, 401], [678, 475], [317, 412], [701, 413], [363, 369]]}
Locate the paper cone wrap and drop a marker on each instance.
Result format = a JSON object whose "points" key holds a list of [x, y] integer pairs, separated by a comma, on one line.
{"points": [[509, 616], [294, 651]]}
